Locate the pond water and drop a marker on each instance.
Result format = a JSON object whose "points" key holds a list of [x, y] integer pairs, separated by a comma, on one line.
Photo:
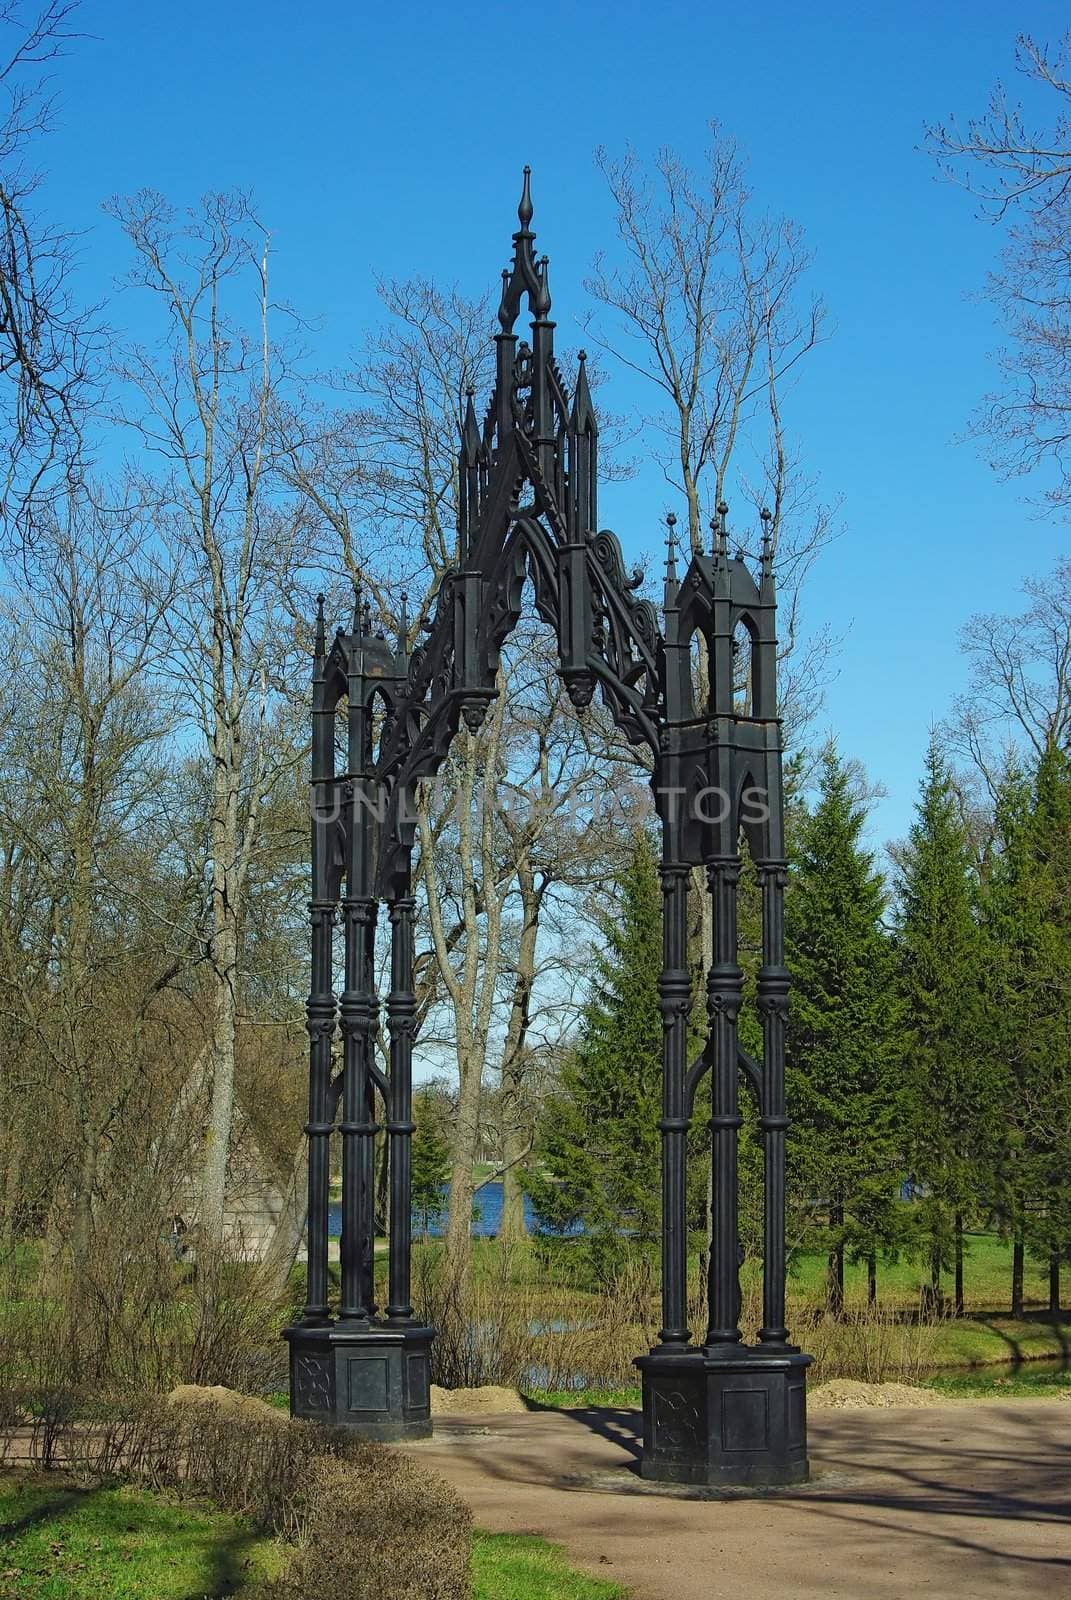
{"points": [[486, 1222]]}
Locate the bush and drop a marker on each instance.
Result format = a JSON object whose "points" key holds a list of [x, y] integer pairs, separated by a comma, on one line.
{"points": [[366, 1522], [387, 1532], [132, 1319]]}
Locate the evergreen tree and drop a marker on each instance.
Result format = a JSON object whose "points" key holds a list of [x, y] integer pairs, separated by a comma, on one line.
{"points": [[598, 1151], [430, 1159], [843, 1041], [1027, 923], [950, 1088]]}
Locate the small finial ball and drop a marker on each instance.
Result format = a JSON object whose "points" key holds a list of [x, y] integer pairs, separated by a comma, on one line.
{"points": [[723, 509]]}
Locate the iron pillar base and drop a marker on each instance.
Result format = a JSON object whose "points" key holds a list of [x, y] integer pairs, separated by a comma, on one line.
{"points": [[738, 1417], [374, 1377]]}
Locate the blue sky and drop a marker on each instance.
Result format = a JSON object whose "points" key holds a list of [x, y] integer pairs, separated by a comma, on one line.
{"points": [[390, 140]]}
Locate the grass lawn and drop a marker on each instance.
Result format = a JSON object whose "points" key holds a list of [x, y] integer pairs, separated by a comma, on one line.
{"points": [[987, 1272], [1023, 1385], [517, 1566], [987, 1264], [60, 1540], [68, 1542]]}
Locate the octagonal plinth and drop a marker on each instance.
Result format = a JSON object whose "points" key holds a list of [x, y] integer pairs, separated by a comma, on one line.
{"points": [[738, 1418], [374, 1379]]}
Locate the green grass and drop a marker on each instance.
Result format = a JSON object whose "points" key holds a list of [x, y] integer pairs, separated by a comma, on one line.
{"points": [[987, 1267], [66, 1542], [61, 1540], [577, 1399], [518, 1566], [1023, 1385]]}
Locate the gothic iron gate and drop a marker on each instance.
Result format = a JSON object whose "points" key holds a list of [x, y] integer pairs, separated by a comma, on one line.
{"points": [[717, 1412]]}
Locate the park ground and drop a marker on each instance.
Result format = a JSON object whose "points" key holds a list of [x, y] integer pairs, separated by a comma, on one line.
{"points": [[959, 1502], [964, 1500]]}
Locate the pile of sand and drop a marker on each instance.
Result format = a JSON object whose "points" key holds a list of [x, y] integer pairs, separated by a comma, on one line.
{"points": [[848, 1394], [228, 1400], [491, 1400]]}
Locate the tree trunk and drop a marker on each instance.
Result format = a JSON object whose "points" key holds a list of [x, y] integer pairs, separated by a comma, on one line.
{"points": [[463, 1160], [936, 1292], [1017, 1274], [872, 1279], [835, 1273], [381, 1162], [1054, 1285], [959, 1263], [221, 1101], [515, 1141], [282, 1251], [514, 1226], [473, 991]]}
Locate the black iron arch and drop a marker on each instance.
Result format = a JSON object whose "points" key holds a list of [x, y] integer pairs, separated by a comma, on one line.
{"points": [[528, 510]]}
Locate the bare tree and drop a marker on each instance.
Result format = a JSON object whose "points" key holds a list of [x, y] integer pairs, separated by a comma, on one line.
{"points": [[202, 406], [48, 341], [1020, 170], [1019, 694], [83, 763], [708, 303]]}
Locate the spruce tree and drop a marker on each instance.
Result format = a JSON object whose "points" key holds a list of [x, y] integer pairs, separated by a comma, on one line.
{"points": [[1027, 924], [430, 1160], [951, 1093], [843, 1040], [598, 1151]]}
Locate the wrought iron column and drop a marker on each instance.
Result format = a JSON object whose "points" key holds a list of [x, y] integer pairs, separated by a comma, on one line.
{"points": [[320, 1011], [725, 983], [321, 1006], [359, 1008], [359, 1004], [772, 987], [401, 1016], [675, 1003]]}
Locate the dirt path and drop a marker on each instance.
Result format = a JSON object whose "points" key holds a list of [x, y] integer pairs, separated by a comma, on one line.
{"points": [[955, 1503]]}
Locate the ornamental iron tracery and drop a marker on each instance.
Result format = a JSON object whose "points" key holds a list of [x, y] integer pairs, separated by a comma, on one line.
{"points": [[720, 1411]]}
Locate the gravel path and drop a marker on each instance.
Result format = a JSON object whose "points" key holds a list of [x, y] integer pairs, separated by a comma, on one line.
{"points": [[956, 1502]]}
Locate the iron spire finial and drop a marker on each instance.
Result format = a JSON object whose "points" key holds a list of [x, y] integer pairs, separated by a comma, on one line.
{"points": [[526, 211], [357, 596], [717, 528], [582, 416], [321, 632], [767, 566], [672, 588], [541, 298], [403, 625], [470, 430]]}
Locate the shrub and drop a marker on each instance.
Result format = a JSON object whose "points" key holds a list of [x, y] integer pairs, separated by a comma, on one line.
{"points": [[387, 1532], [366, 1521]]}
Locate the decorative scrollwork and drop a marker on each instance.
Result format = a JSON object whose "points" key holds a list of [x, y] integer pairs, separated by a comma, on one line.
{"points": [[313, 1384]]}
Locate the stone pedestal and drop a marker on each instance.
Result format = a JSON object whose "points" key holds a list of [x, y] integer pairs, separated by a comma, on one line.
{"points": [[738, 1417], [371, 1377]]}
